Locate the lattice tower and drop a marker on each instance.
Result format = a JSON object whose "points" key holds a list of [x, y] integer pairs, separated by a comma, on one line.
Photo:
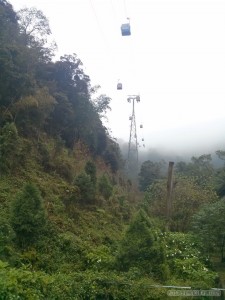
{"points": [[132, 158]]}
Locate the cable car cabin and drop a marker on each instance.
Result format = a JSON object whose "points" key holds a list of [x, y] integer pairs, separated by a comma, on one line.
{"points": [[141, 126], [119, 86], [125, 29], [142, 140]]}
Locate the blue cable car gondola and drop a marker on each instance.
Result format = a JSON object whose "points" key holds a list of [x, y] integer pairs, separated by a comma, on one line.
{"points": [[125, 29], [119, 86]]}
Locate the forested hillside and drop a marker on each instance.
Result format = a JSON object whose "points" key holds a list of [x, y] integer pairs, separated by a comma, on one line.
{"points": [[72, 225]]}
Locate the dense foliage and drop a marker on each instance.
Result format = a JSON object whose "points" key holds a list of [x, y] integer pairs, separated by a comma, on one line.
{"points": [[209, 225], [188, 198], [150, 172], [71, 225], [48, 97]]}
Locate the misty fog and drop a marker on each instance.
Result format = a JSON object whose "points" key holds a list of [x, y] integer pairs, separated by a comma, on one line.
{"points": [[181, 148]]}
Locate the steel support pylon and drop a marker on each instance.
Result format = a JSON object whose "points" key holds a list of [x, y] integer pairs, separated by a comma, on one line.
{"points": [[132, 157]]}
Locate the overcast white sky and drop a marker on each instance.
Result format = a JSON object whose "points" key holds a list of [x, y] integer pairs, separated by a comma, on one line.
{"points": [[175, 59]]}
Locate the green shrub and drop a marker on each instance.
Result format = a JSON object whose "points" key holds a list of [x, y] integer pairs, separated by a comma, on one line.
{"points": [[140, 249], [86, 189], [28, 216], [104, 187]]}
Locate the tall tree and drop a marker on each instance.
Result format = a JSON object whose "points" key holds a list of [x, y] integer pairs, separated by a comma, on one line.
{"points": [[61, 119], [140, 249], [31, 112], [200, 168], [15, 80], [150, 171], [28, 217], [70, 77], [101, 105], [9, 30], [112, 155], [35, 32]]}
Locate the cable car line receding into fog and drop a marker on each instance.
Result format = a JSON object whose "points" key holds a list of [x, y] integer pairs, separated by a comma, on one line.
{"points": [[125, 31]]}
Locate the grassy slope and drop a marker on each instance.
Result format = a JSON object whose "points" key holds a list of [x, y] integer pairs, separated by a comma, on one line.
{"points": [[81, 237], [92, 225]]}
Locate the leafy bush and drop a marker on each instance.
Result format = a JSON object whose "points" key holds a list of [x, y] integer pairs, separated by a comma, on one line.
{"points": [[186, 261], [23, 284]]}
